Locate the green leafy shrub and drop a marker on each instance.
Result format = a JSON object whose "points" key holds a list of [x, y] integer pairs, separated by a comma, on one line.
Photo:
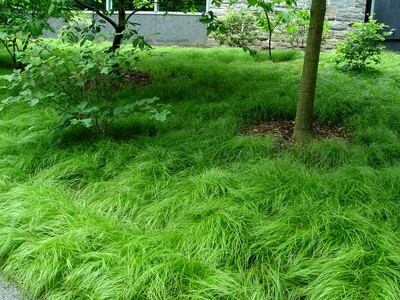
{"points": [[240, 29], [22, 21], [364, 45], [295, 28], [79, 81]]}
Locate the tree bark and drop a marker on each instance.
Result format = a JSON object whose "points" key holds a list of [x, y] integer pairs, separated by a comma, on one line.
{"points": [[305, 105], [119, 31]]}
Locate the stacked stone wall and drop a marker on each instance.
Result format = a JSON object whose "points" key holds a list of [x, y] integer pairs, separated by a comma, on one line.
{"points": [[340, 14]]}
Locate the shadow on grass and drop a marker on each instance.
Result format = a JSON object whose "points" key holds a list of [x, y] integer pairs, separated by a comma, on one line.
{"points": [[5, 63], [119, 131], [279, 56]]}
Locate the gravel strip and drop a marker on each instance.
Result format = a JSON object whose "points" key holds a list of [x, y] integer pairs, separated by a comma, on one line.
{"points": [[8, 291]]}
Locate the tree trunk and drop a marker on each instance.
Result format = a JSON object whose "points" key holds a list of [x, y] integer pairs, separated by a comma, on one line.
{"points": [[269, 34], [305, 104], [117, 39], [119, 31]]}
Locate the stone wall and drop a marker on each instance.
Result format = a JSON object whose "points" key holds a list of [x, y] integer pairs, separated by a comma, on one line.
{"points": [[340, 14]]}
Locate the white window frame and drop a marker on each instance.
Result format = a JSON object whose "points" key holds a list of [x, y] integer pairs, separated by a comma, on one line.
{"points": [[156, 11]]}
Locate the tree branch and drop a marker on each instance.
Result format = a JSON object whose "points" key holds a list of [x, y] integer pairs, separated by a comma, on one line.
{"points": [[99, 13], [135, 11]]}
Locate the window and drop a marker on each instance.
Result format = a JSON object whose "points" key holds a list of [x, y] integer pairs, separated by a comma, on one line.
{"points": [[178, 5], [130, 6], [95, 4], [160, 6]]}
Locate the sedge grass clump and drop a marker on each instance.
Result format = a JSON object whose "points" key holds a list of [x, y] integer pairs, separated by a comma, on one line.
{"points": [[326, 154], [193, 209]]}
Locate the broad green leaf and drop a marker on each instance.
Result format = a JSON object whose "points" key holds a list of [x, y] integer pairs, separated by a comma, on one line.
{"points": [[33, 102], [51, 9], [37, 27], [118, 110], [86, 122], [161, 116], [252, 2], [82, 106], [26, 93]]}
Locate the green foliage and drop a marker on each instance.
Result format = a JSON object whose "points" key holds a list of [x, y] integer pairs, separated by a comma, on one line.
{"points": [[363, 46], [295, 26], [21, 21], [79, 82], [271, 17], [268, 19], [240, 29]]}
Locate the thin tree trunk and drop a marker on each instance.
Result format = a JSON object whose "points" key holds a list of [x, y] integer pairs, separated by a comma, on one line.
{"points": [[117, 39], [269, 35], [121, 26], [305, 104]]}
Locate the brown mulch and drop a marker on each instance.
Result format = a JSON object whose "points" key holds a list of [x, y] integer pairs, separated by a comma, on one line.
{"points": [[132, 77], [283, 129], [136, 77]]}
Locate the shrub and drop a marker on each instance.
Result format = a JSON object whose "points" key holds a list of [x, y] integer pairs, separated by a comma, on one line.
{"points": [[295, 28], [240, 29], [363, 45], [20, 21], [79, 81]]}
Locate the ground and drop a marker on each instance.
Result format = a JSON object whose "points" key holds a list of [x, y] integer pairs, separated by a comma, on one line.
{"points": [[283, 129]]}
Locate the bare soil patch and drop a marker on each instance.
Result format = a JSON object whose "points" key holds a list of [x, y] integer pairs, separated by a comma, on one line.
{"points": [[283, 129]]}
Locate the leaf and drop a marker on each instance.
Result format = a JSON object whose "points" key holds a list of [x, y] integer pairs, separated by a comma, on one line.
{"points": [[82, 106], [74, 121], [26, 93], [105, 70], [129, 107], [10, 77], [33, 102], [148, 100], [51, 9], [161, 116], [291, 2], [37, 27], [118, 110], [251, 51], [90, 37], [86, 122], [90, 109], [252, 2], [11, 99]]}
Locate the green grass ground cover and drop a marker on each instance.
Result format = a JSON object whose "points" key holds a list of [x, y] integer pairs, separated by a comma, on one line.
{"points": [[192, 209]]}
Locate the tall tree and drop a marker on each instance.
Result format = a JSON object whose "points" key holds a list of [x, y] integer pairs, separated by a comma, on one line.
{"points": [[305, 105]]}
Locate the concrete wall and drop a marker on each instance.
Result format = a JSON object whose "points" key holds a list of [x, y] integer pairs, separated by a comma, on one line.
{"points": [[158, 28]]}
